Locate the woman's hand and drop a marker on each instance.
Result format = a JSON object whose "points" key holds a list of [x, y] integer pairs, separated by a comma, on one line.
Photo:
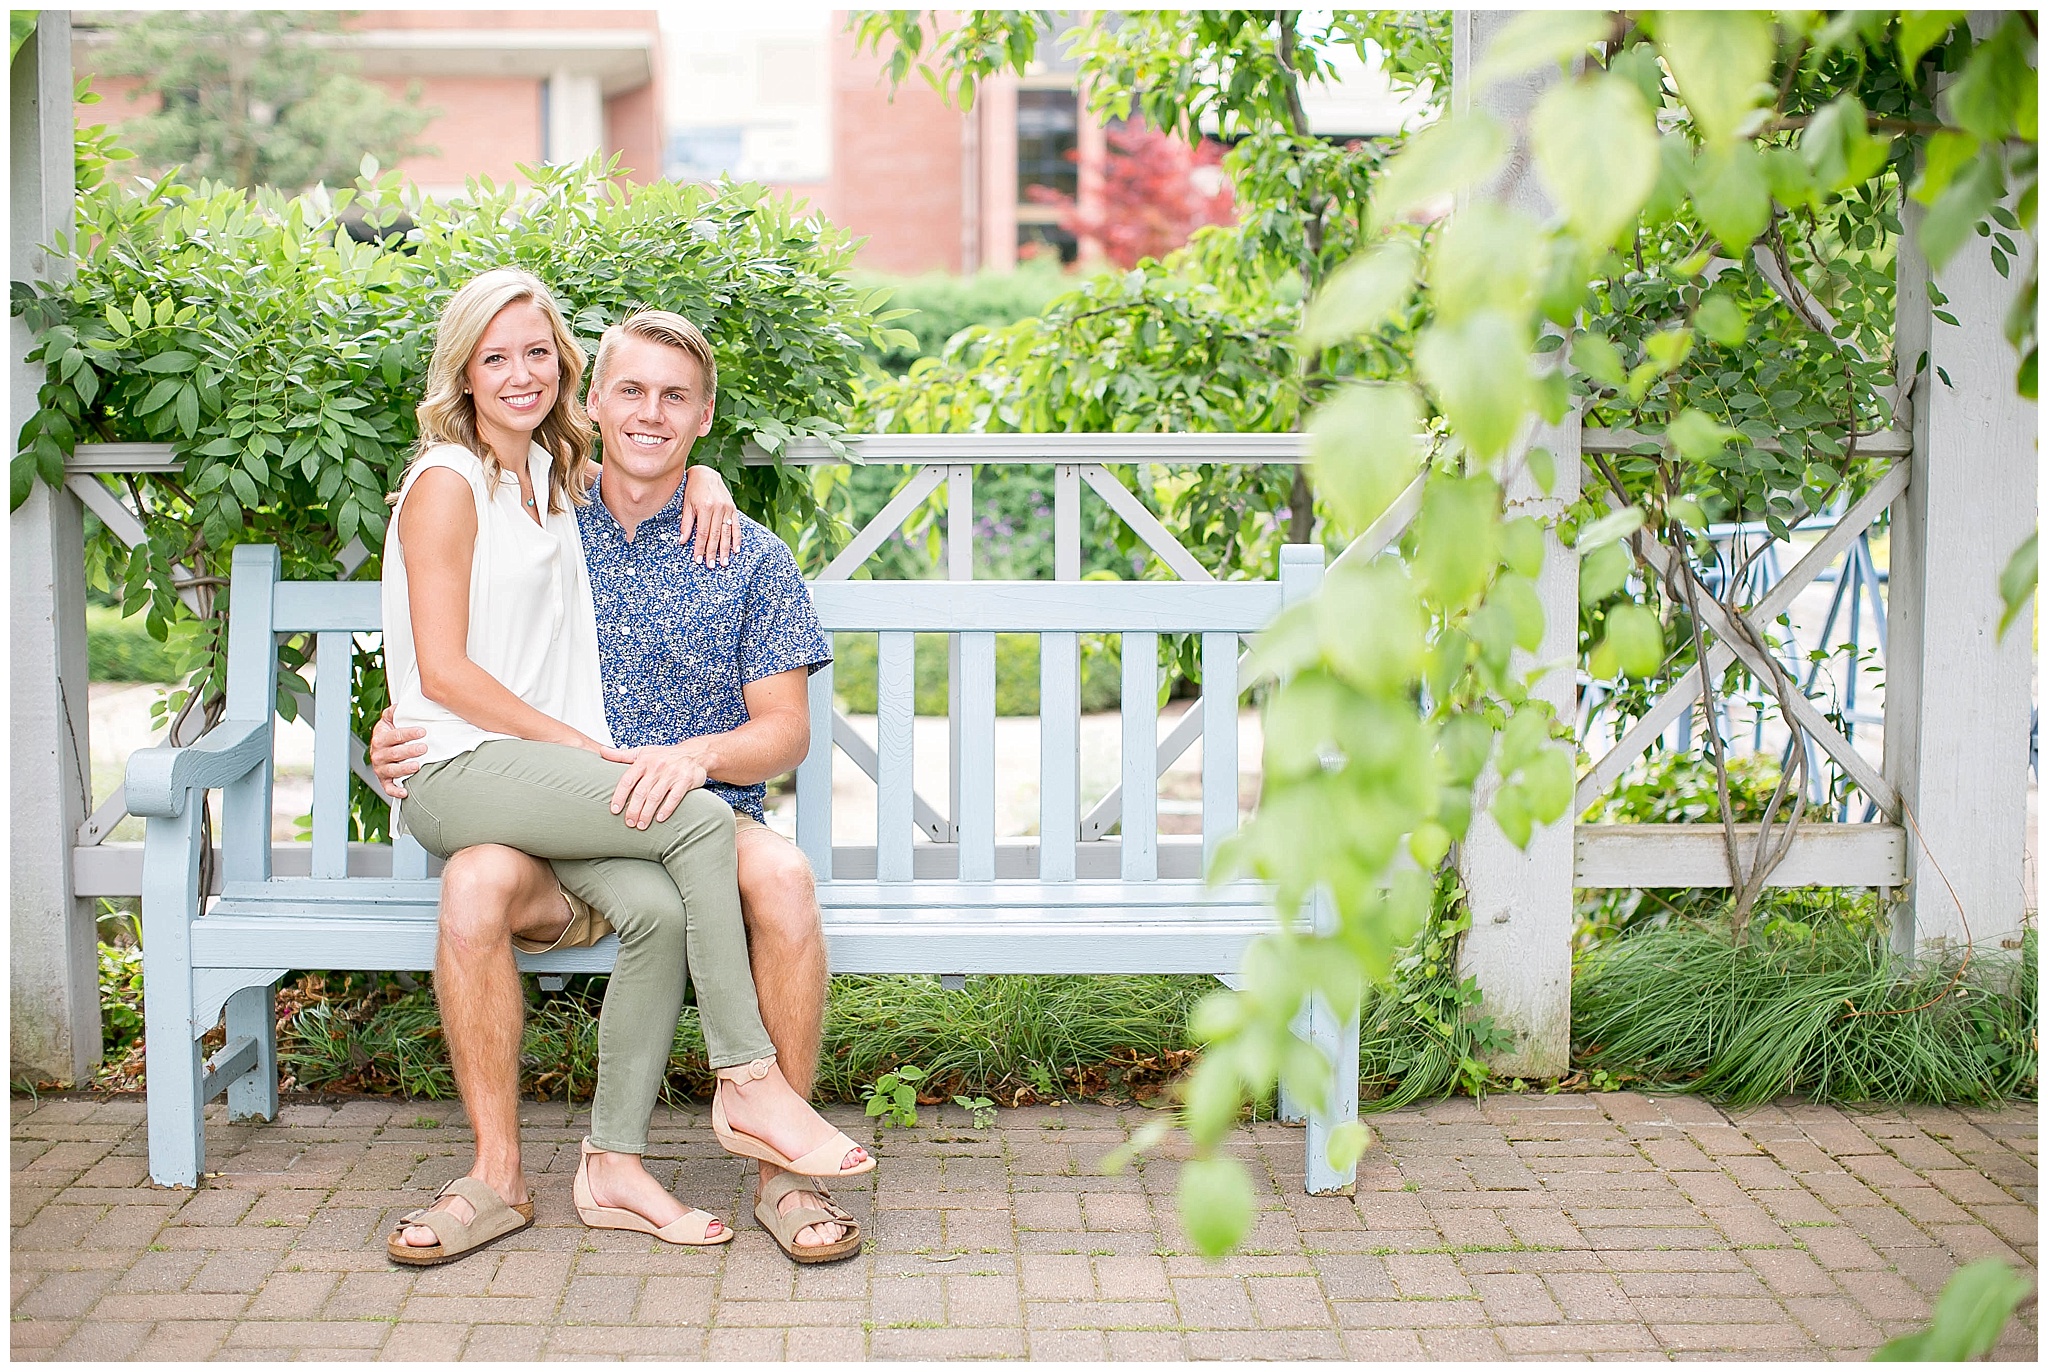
{"points": [[709, 511]]}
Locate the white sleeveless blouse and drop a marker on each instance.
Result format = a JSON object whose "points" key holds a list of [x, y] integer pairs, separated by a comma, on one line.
{"points": [[531, 622]]}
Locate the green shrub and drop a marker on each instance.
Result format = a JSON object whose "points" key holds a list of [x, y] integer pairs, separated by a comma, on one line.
{"points": [[121, 649], [942, 304], [282, 360], [853, 674]]}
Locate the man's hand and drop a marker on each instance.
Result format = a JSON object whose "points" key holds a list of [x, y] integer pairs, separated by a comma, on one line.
{"points": [[657, 779], [393, 752]]}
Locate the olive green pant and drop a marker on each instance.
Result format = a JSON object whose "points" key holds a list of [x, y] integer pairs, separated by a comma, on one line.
{"points": [[671, 890]]}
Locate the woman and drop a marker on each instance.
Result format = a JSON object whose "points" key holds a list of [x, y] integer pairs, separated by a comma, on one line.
{"points": [[491, 648]]}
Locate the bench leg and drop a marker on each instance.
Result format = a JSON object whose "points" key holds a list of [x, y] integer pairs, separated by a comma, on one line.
{"points": [[170, 902], [1333, 1032], [1289, 1110], [1334, 1035], [252, 1013]]}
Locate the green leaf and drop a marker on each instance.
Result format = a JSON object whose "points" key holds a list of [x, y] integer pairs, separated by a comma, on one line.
{"points": [[1838, 146], [170, 362], [1721, 319], [1944, 154], [2016, 583], [1485, 256], [1429, 844], [1697, 437], [1609, 528], [1370, 624], [1599, 360], [1970, 1314], [1535, 39], [1517, 595], [1603, 572], [1721, 61], [20, 24], [1521, 545], [1997, 93], [1731, 194], [1668, 347], [1361, 295], [1920, 30], [1348, 1142], [1440, 161], [1364, 449], [1511, 812], [1636, 638], [1596, 143], [1456, 535], [1215, 1203], [1547, 784], [160, 395], [1478, 370], [1954, 214]]}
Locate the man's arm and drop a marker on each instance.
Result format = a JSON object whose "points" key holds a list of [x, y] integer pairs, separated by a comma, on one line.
{"points": [[774, 739]]}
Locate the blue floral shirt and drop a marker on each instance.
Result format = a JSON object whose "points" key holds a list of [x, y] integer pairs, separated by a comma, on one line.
{"points": [[676, 642]]}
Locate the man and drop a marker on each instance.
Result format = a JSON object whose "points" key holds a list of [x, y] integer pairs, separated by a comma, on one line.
{"points": [[704, 668]]}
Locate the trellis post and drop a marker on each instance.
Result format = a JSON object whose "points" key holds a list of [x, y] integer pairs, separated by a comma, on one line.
{"points": [[54, 978], [1956, 694], [1519, 946]]}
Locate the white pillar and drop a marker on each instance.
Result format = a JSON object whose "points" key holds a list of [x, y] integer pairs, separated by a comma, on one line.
{"points": [[1956, 695], [1520, 944], [54, 964], [575, 108]]}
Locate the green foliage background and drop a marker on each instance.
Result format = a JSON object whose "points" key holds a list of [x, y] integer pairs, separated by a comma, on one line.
{"points": [[282, 359]]}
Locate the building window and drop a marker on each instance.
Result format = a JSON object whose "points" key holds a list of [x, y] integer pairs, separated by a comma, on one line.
{"points": [[1048, 172], [1048, 133]]}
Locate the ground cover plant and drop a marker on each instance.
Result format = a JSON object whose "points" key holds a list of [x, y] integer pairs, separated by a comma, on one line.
{"points": [[1825, 1011]]}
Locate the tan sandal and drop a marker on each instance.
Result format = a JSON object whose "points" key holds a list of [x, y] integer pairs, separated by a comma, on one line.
{"points": [[454, 1238], [784, 1227], [823, 1161], [690, 1229]]}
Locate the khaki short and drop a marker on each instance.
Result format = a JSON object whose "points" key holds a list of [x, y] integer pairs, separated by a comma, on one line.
{"points": [[586, 926]]}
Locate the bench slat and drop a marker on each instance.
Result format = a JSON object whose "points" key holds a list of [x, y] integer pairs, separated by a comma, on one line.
{"points": [[977, 818], [1141, 745], [1210, 947], [1059, 747], [332, 685], [252, 694], [814, 780], [1219, 742], [1032, 607], [895, 748]]}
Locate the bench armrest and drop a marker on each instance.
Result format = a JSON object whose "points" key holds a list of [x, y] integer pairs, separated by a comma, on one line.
{"points": [[160, 778]]}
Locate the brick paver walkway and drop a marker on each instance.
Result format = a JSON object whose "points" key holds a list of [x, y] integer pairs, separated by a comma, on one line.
{"points": [[1612, 1226]]}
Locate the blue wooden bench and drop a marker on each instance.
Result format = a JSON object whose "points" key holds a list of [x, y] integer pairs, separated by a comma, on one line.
{"points": [[930, 895]]}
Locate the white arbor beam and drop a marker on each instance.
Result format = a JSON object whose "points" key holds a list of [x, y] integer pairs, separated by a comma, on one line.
{"points": [[1520, 944], [1956, 695], [53, 984]]}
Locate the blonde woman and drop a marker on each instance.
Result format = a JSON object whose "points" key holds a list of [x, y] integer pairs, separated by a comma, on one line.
{"points": [[491, 648]]}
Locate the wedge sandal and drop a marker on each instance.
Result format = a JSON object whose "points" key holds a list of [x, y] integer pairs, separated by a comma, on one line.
{"points": [[817, 1209], [826, 1160], [691, 1229], [456, 1238]]}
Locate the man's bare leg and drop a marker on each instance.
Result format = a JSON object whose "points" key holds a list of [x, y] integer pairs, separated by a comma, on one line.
{"points": [[786, 946], [488, 894]]}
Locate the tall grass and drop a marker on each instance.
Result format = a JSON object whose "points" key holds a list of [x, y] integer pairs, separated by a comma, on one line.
{"points": [[1829, 1014]]}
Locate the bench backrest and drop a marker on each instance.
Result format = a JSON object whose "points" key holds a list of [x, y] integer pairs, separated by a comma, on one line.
{"points": [[1071, 847]]}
